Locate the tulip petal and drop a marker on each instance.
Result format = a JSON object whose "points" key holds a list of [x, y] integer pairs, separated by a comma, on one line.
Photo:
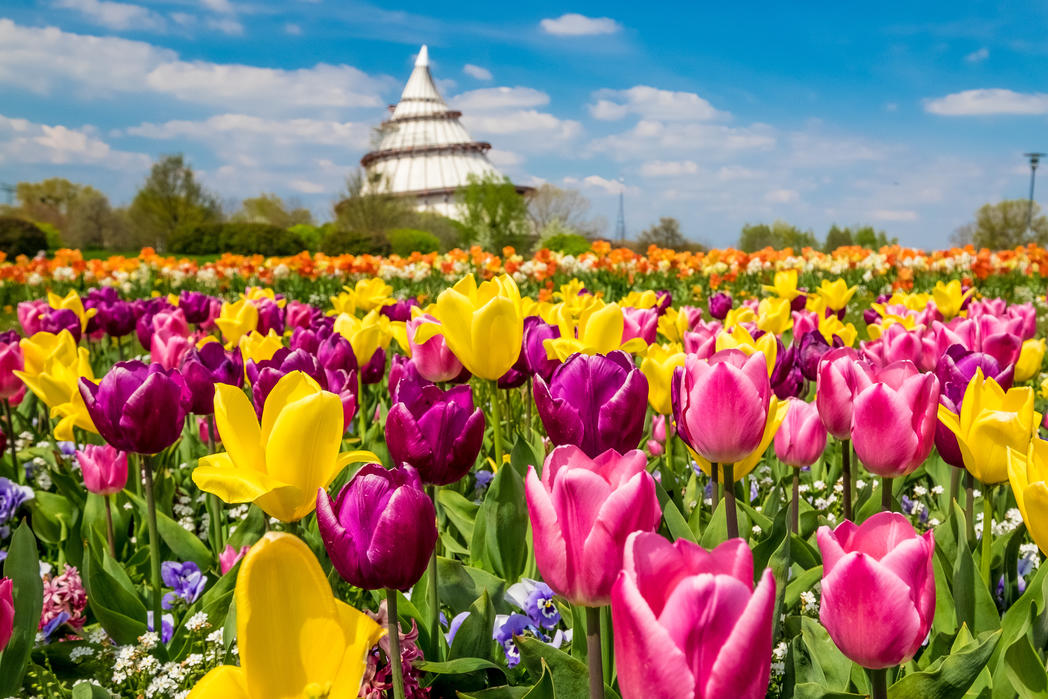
{"points": [[362, 634], [219, 475], [881, 432], [291, 387], [386, 551], [868, 612], [238, 428], [750, 637], [649, 664], [1036, 497], [223, 682], [550, 549]]}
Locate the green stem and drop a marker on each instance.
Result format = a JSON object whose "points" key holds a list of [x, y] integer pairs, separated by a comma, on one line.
{"points": [[593, 653], [886, 494], [795, 512], [987, 536], [496, 426], [432, 595], [969, 504], [529, 401], [731, 515], [109, 526], [669, 445], [394, 644], [154, 541], [846, 476], [19, 473], [955, 485], [878, 683], [361, 424]]}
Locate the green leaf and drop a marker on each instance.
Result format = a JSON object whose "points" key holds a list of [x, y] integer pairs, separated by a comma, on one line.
{"points": [[675, 522], [817, 659], [120, 612], [543, 689], [504, 692], [1025, 670], [458, 666], [473, 638], [53, 517], [86, 690], [570, 676], [183, 544], [250, 529], [460, 512], [499, 541], [810, 690], [804, 581], [459, 585], [23, 567], [950, 675]]}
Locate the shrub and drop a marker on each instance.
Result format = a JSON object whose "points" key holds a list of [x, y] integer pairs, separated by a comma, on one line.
{"points": [[404, 241], [567, 243], [21, 237], [338, 242], [242, 238]]}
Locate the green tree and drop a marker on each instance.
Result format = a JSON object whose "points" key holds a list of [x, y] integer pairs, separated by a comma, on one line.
{"points": [[549, 204], [365, 214], [868, 237], [58, 203], [664, 234], [837, 237], [495, 214], [271, 209], [778, 235], [171, 201], [1002, 226]]}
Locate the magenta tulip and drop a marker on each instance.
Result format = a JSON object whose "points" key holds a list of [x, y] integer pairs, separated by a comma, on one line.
{"points": [[229, 557], [688, 622], [639, 322], [801, 437], [893, 424], [581, 511], [878, 589], [7, 611], [721, 404], [896, 343], [104, 468], [10, 362], [840, 377], [434, 361]]}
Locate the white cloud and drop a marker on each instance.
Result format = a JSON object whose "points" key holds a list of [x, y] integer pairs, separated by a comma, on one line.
{"points": [[22, 141], [573, 24], [491, 98], [292, 29], [988, 101], [782, 196], [477, 72], [668, 168], [220, 6], [978, 56], [45, 60], [596, 182], [226, 25], [230, 128], [307, 187], [652, 138], [522, 121], [115, 15], [893, 215], [729, 173], [504, 158], [653, 103]]}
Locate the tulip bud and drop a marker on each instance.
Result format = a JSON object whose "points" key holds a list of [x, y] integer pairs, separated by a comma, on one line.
{"points": [[381, 530], [10, 361], [7, 611], [878, 589], [801, 438], [719, 305], [581, 511], [229, 557], [104, 468], [840, 377], [434, 361], [437, 432]]}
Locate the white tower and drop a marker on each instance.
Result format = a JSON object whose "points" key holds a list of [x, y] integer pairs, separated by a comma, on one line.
{"points": [[424, 151]]}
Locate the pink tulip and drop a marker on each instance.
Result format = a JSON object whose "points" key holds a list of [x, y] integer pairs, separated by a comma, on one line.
{"points": [[656, 445], [10, 362], [639, 322], [801, 437], [204, 430], [721, 404], [170, 323], [104, 468], [688, 622], [840, 377], [998, 336], [895, 344], [804, 322], [893, 424], [878, 589], [581, 512], [29, 313], [229, 557], [1027, 314], [702, 341], [7, 611], [434, 361], [169, 350], [693, 315], [298, 315]]}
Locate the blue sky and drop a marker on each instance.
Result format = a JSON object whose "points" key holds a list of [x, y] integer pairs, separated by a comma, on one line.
{"points": [[907, 116]]}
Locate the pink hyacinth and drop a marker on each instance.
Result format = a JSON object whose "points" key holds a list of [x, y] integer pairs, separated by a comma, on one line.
{"points": [[64, 594]]}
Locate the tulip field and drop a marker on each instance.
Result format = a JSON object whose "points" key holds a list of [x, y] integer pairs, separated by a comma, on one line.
{"points": [[620, 475]]}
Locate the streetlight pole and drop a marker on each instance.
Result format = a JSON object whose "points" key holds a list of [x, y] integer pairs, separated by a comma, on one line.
{"points": [[1034, 158]]}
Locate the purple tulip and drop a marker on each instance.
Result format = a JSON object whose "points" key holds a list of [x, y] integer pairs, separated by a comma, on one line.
{"points": [[195, 305], [138, 407], [437, 432], [380, 531], [304, 339], [595, 402], [800, 301], [533, 353], [665, 300], [375, 369], [145, 309], [958, 365], [203, 367], [399, 311], [335, 354], [403, 371], [270, 316], [264, 375], [57, 320], [719, 305], [809, 352], [116, 318]]}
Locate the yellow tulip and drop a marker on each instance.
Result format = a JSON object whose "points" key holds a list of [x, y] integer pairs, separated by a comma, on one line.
{"points": [[1030, 360], [991, 422], [1044, 388], [236, 320], [599, 332], [774, 315], [482, 325], [832, 325], [949, 297], [366, 334], [53, 365], [1027, 473], [569, 291], [639, 299], [72, 301], [914, 302], [281, 463], [657, 366], [776, 414], [296, 639], [367, 295], [258, 293], [784, 285], [836, 294], [258, 347], [737, 316], [740, 338]]}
